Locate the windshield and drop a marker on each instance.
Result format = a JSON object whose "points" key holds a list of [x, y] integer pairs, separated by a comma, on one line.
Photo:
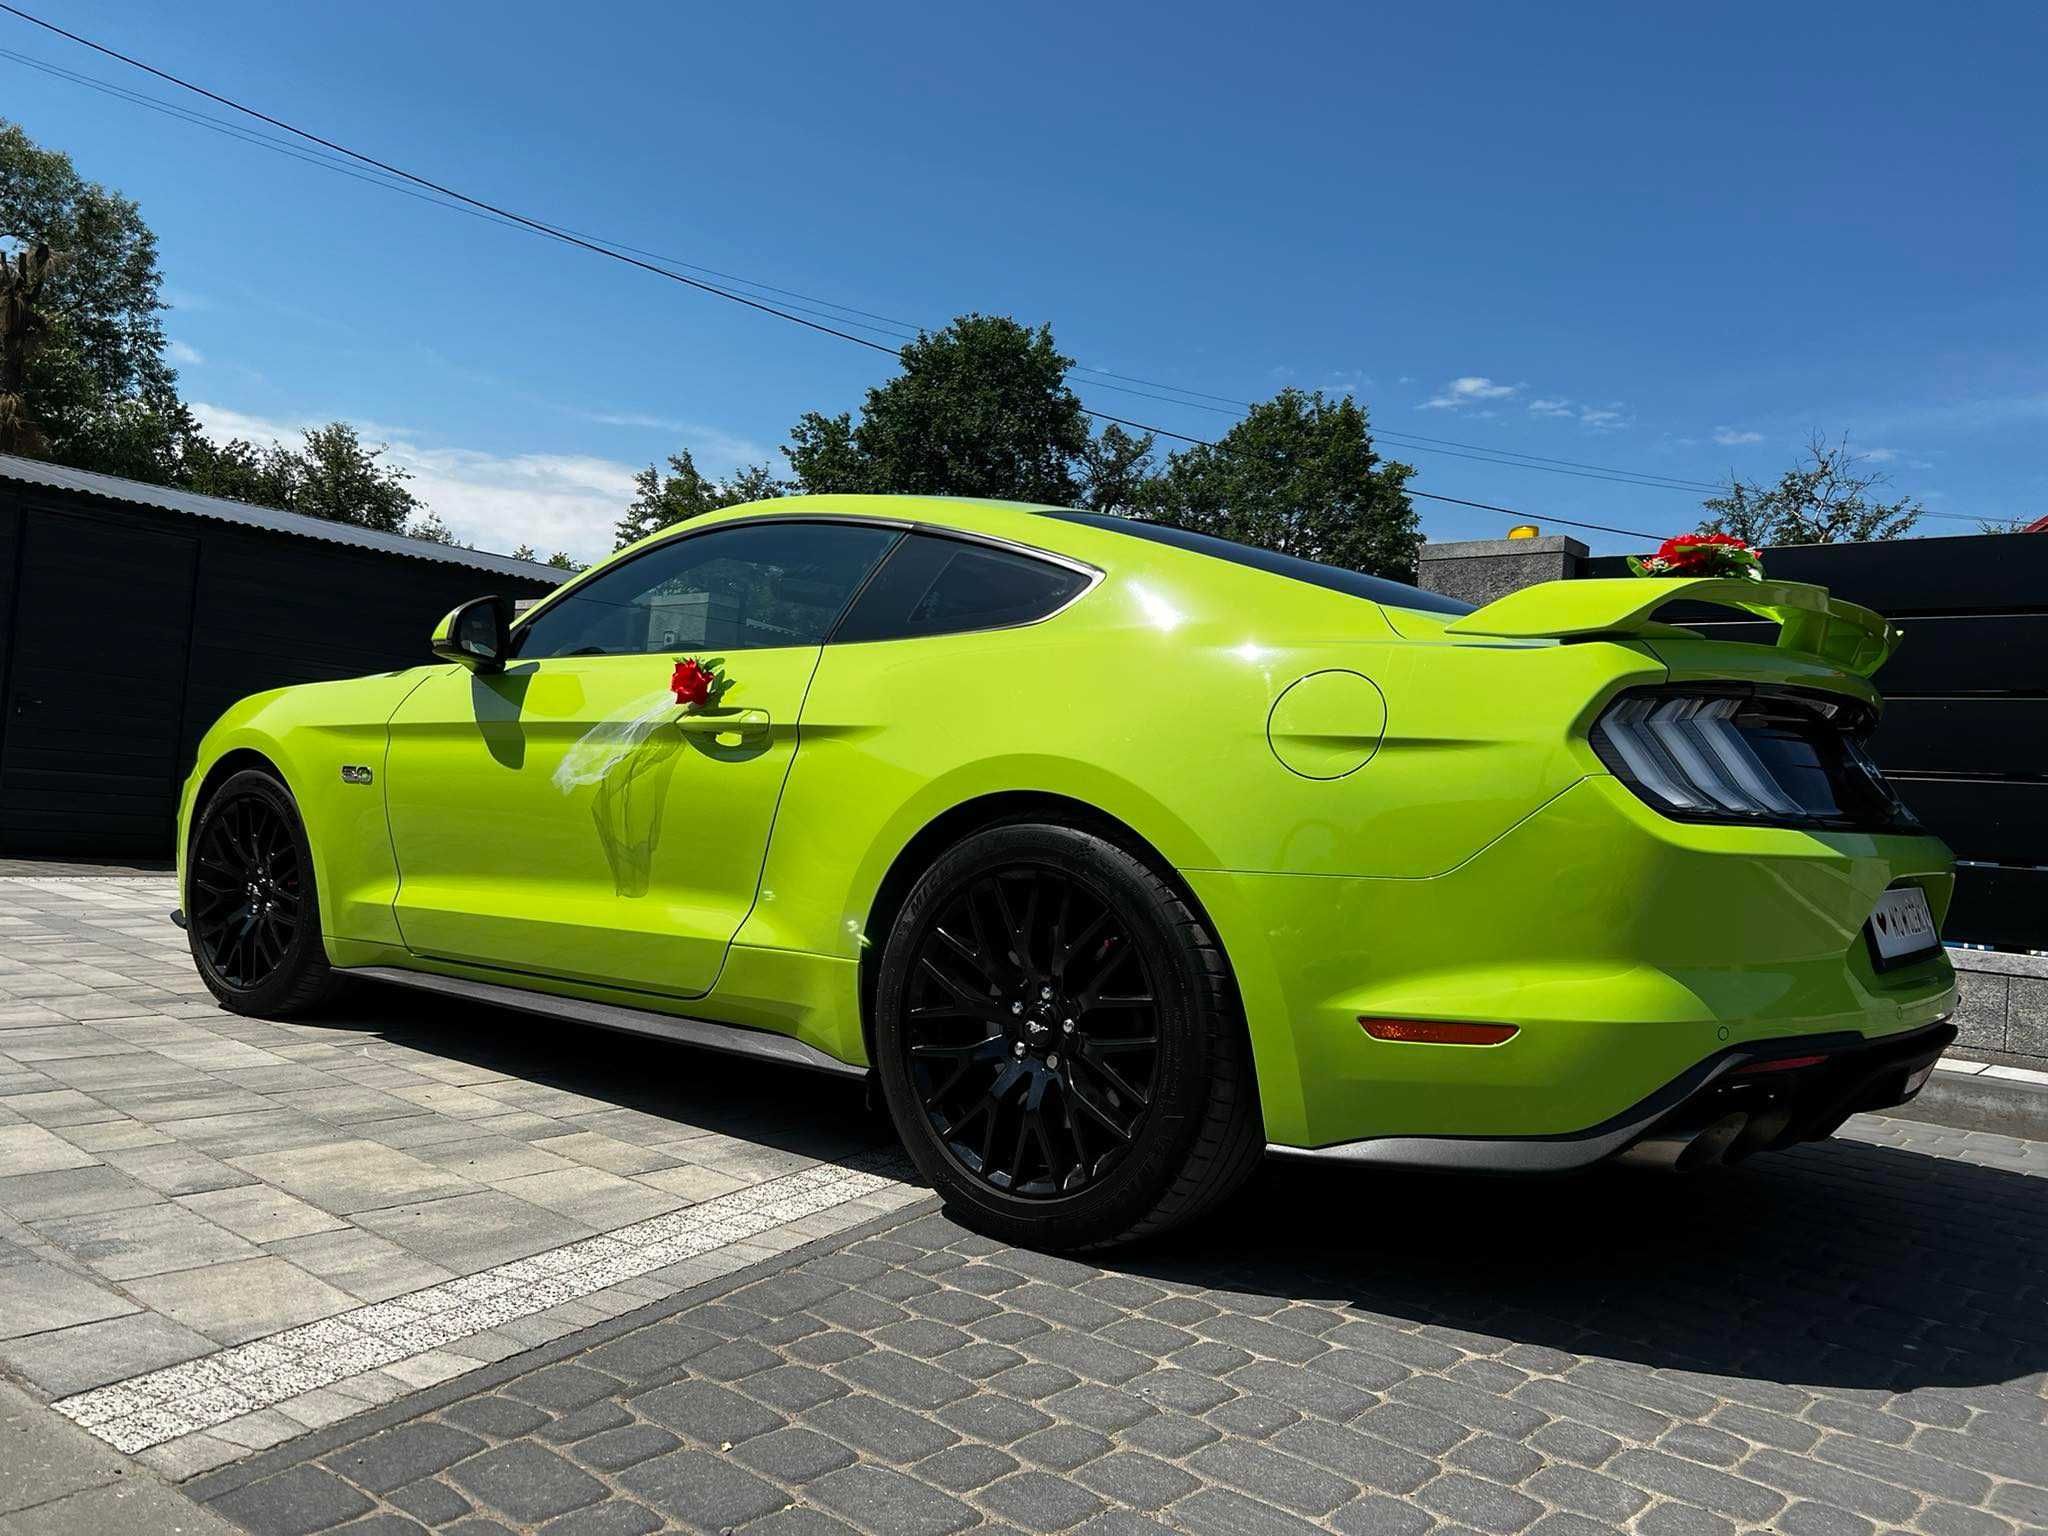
{"points": [[1377, 589]]}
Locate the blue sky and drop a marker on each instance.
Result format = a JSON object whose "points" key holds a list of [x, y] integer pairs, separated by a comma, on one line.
{"points": [[1670, 243]]}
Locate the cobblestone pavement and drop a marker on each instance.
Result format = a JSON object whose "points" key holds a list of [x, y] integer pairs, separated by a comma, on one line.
{"points": [[218, 1232], [417, 1264], [1840, 1340]]}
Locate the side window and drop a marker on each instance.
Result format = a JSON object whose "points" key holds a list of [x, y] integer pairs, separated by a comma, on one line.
{"points": [[744, 588], [938, 586]]}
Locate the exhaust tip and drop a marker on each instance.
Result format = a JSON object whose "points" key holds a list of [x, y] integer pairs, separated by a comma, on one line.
{"points": [[1710, 1147], [1689, 1150]]}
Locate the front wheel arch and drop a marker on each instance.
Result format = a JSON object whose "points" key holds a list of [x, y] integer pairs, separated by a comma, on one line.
{"points": [[223, 768]]}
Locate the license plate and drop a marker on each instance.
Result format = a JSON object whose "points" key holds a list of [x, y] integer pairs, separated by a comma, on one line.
{"points": [[1901, 929]]}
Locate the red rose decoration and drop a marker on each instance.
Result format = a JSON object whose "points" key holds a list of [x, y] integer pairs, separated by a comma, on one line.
{"points": [[1700, 554], [1697, 551], [693, 682]]}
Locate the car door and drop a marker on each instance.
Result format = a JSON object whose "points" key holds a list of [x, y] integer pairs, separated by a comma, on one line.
{"points": [[937, 667], [565, 816]]}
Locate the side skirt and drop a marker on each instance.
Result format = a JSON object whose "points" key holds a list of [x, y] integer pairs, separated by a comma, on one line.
{"points": [[733, 1039]]}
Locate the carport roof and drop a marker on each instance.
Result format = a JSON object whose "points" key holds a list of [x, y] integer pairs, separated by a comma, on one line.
{"points": [[138, 493]]}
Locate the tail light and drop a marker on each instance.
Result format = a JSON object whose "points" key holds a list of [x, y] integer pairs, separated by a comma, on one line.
{"points": [[1768, 757]]}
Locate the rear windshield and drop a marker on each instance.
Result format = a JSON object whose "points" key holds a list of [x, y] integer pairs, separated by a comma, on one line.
{"points": [[1395, 594]]}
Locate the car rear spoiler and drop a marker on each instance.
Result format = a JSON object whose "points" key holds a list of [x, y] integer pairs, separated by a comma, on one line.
{"points": [[1809, 621]]}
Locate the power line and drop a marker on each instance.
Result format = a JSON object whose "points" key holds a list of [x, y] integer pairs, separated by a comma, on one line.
{"points": [[831, 310], [1406, 490], [505, 215], [903, 329]]}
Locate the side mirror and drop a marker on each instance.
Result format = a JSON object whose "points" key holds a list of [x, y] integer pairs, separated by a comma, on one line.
{"points": [[477, 635]]}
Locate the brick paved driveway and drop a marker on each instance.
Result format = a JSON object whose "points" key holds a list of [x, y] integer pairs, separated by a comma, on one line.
{"points": [[216, 1232], [1850, 1338], [1830, 1342]]}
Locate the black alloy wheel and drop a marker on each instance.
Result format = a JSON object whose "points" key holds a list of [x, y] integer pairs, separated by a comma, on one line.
{"points": [[252, 910], [1033, 1029], [245, 884], [1059, 1040]]}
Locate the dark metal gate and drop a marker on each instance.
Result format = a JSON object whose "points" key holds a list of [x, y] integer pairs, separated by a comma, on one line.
{"points": [[96, 685]]}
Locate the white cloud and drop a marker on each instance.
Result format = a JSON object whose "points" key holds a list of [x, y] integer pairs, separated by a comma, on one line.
{"points": [[715, 450], [182, 352], [1879, 455], [1611, 417], [1732, 437], [631, 419], [1464, 391], [494, 501]]}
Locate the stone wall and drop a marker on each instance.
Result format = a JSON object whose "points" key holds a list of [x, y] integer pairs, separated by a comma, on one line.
{"points": [[1480, 570], [2003, 1013]]}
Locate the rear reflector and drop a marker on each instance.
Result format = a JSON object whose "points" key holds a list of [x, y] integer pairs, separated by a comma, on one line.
{"points": [[1782, 1064], [1422, 1032]]}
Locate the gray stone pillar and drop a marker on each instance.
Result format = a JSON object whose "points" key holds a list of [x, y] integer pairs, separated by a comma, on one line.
{"points": [[692, 618], [1479, 570]]}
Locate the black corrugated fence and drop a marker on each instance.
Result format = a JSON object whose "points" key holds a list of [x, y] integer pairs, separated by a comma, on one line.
{"points": [[1965, 732], [126, 628]]}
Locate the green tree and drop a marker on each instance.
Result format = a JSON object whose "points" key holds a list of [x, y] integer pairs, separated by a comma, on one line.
{"points": [[1114, 469], [663, 500], [754, 482], [96, 389], [22, 328], [1826, 498], [428, 526], [561, 560], [980, 408], [822, 455], [337, 477], [1299, 475], [331, 474], [236, 469]]}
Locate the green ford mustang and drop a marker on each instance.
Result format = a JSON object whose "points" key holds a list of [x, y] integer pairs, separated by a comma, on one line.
{"points": [[1119, 854]]}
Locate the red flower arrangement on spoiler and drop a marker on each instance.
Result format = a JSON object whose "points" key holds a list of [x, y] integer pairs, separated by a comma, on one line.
{"points": [[1701, 554], [699, 682]]}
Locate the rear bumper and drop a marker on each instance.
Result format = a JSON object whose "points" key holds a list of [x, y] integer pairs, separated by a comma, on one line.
{"points": [[1739, 1101], [1625, 949]]}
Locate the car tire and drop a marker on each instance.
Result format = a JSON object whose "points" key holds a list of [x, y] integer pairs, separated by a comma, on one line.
{"points": [[252, 908], [985, 976]]}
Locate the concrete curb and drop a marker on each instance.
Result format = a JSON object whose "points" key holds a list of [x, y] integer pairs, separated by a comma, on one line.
{"points": [[1974, 1096]]}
